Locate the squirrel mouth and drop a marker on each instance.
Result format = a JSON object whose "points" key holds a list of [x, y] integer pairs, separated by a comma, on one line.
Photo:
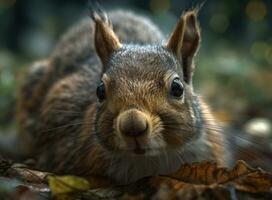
{"points": [[138, 149]]}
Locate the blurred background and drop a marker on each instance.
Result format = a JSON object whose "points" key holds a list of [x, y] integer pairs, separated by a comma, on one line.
{"points": [[234, 64]]}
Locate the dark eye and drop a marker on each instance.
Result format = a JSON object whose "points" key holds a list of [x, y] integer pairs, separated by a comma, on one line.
{"points": [[176, 88], [100, 91]]}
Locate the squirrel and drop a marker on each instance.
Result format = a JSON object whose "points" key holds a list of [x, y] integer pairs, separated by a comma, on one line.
{"points": [[115, 99]]}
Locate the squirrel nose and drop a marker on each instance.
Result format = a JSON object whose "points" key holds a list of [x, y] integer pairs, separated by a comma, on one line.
{"points": [[133, 123]]}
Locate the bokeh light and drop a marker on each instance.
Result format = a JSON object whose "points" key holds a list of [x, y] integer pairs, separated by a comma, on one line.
{"points": [[258, 127], [219, 23], [160, 5], [256, 10], [268, 55], [7, 3], [259, 49]]}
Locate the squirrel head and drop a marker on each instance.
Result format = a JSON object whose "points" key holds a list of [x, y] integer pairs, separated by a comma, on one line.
{"points": [[146, 101]]}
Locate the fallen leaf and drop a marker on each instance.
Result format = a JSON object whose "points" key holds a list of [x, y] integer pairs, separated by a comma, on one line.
{"points": [[28, 175], [195, 181], [67, 184], [242, 177]]}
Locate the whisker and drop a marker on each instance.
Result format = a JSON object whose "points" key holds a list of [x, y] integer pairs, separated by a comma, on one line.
{"points": [[66, 111], [65, 126]]}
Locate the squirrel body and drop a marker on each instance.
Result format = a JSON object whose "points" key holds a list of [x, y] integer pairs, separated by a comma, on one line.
{"points": [[113, 101]]}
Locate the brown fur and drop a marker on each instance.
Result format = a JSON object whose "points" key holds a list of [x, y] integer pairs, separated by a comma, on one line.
{"points": [[69, 131]]}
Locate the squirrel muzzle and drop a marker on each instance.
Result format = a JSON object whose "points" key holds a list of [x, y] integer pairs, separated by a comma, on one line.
{"points": [[133, 123]]}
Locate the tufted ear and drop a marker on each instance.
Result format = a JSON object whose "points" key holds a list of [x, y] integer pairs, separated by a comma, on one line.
{"points": [[184, 42], [105, 40]]}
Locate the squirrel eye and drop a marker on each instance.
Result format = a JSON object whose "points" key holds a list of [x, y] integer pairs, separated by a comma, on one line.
{"points": [[100, 91], [176, 88]]}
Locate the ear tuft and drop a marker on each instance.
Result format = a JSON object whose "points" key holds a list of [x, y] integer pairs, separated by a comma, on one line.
{"points": [[105, 40], [96, 12]]}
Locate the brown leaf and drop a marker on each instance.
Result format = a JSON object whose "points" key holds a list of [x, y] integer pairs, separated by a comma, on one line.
{"points": [[28, 175], [203, 180], [207, 175], [173, 189]]}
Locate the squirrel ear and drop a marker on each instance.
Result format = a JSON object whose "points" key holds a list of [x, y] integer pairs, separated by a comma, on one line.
{"points": [[184, 42], [106, 41]]}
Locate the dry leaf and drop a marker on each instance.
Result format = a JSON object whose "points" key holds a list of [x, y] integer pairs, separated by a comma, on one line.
{"points": [[242, 177], [203, 180], [28, 175], [67, 184], [208, 181]]}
